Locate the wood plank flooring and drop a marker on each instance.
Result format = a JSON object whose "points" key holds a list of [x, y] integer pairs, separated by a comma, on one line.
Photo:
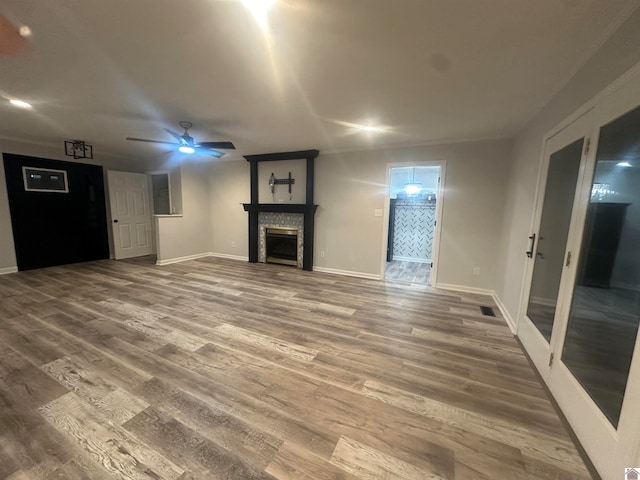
{"points": [[219, 369]]}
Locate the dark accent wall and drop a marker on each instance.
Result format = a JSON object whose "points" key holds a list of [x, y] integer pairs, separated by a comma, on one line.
{"points": [[57, 228]]}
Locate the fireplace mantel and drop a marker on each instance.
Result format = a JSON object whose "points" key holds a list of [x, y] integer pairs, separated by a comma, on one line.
{"points": [[307, 209], [280, 207]]}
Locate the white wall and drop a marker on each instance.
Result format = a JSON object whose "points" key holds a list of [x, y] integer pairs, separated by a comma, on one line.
{"points": [[350, 186], [8, 261], [280, 170], [229, 188], [187, 235], [616, 56]]}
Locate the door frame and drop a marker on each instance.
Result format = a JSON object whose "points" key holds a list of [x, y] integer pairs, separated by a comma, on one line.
{"points": [[439, 205], [576, 402], [150, 174], [532, 339], [609, 449]]}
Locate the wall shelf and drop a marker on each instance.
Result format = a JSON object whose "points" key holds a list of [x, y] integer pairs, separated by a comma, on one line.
{"points": [[280, 207]]}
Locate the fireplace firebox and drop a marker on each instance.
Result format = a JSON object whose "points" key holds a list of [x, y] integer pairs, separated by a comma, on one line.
{"points": [[281, 246]]}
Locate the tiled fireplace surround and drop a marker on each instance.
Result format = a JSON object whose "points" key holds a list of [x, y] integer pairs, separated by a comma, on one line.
{"points": [[299, 216], [273, 219]]}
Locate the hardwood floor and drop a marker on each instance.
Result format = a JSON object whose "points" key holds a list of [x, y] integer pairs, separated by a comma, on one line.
{"points": [[219, 369]]}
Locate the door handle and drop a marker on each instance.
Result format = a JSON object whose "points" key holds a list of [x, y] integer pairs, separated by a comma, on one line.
{"points": [[115, 221], [529, 252]]}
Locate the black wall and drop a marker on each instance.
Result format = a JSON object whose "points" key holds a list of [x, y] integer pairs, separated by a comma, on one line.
{"points": [[57, 228]]}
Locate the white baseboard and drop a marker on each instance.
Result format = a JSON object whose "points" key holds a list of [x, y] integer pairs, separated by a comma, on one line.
{"points": [[370, 276], [481, 291], [463, 289], [169, 261], [230, 257], [505, 313], [412, 259], [7, 270]]}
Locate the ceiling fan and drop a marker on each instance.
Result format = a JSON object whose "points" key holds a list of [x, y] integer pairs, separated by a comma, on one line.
{"points": [[186, 143]]}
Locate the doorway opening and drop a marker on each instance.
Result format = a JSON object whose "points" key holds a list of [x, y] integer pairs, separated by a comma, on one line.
{"points": [[411, 244]]}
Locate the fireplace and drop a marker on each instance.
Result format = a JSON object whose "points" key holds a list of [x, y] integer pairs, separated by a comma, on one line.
{"points": [[306, 211], [281, 246]]}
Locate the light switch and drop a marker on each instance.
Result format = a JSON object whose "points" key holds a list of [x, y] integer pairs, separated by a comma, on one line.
{"points": [[377, 212]]}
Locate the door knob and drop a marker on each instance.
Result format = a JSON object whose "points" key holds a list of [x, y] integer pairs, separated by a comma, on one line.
{"points": [[115, 221]]}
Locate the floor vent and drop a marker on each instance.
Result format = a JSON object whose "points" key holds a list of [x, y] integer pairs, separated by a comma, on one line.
{"points": [[488, 311]]}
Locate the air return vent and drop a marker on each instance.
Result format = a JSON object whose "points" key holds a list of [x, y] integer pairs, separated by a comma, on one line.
{"points": [[488, 311]]}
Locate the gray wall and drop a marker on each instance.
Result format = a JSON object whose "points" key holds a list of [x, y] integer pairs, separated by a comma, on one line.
{"points": [[616, 56], [187, 234], [350, 186]]}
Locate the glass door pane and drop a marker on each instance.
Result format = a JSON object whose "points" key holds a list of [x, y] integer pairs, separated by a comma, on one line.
{"points": [[564, 166], [605, 310]]}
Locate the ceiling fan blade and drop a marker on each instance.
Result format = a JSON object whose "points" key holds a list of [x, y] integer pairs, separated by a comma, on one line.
{"points": [[177, 136], [220, 145], [149, 141], [208, 151]]}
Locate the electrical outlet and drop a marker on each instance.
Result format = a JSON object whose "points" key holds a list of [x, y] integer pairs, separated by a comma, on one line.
{"points": [[476, 271], [377, 212], [233, 244], [322, 253]]}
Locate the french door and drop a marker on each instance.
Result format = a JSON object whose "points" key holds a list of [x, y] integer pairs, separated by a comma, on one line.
{"points": [[582, 304]]}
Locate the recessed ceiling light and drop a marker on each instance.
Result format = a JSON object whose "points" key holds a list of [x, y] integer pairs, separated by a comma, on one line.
{"points": [[623, 164], [259, 9], [19, 103], [24, 31], [369, 128]]}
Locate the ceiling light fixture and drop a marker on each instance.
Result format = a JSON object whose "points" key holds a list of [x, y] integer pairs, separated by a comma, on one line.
{"points": [[259, 9], [186, 149], [19, 103], [361, 127], [623, 164], [369, 128], [413, 188]]}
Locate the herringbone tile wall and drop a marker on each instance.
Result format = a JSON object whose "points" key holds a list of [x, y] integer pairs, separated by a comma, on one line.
{"points": [[414, 228]]}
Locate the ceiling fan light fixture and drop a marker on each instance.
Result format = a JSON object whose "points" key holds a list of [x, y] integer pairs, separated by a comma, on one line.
{"points": [[412, 188], [187, 145]]}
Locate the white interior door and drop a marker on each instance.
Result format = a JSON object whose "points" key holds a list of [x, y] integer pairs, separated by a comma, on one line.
{"points": [[130, 215], [596, 373], [582, 308], [563, 171]]}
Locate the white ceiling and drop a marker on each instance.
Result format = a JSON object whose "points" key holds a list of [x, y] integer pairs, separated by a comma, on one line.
{"points": [[427, 70]]}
